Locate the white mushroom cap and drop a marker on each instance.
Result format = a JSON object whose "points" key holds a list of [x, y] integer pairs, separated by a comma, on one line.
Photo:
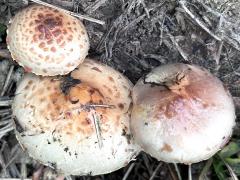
{"points": [[181, 113], [46, 41], [71, 131]]}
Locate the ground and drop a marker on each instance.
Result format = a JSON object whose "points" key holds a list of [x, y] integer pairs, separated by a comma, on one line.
{"points": [[137, 36]]}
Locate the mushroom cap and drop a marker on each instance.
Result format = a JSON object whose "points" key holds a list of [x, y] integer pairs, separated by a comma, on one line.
{"points": [[181, 113], [47, 41], [81, 130]]}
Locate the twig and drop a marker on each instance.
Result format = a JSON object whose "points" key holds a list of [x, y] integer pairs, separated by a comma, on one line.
{"points": [[218, 54], [132, 23], [67, 178], [94, 6], [189, 172], [15, 155], [6, 129], [232, 173], [7, 80], [155, 171], [6, 118], [4, 122], [157, 57], [6, 102], [128, 171], [23, 169], [178, 172], [201, 24], [204, 171], [89, 106], [185, 57], [69, 12], [13, 179], [172, 173], [99, 105], [97, 129], [145, 8], [3, 166], [162, 27], [147, 163], [5, 111]]}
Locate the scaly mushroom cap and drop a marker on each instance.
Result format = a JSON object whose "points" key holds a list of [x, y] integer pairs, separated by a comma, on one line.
{"points": [[80, 129], [181, 113], [46, 41]]}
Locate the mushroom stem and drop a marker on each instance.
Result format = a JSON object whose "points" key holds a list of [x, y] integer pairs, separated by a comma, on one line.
{"points": [[69, 12]]}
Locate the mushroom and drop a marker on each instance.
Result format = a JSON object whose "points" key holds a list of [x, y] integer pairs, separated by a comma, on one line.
{"points": [[77, 124], [181, 113], [47, 41]]}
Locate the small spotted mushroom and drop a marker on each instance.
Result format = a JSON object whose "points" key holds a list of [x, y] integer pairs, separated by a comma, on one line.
{"points": [[78, 125], [47, 41], [181, 113]]}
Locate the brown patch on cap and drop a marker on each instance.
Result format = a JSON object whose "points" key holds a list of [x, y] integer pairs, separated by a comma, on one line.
{"points": [[166, 147], [48, 26], [30, 82], [56, 32], [111, 79], [121, 106], [53, 49]]}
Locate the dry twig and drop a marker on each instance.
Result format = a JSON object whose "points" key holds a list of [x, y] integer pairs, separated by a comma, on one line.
{"points": [[7, 81], [177, 170], [200, 23], [155, 171], [71, 13], [128, 171]]}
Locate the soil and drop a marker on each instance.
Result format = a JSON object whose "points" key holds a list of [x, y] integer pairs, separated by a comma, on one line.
{"points": [[137, 36]]}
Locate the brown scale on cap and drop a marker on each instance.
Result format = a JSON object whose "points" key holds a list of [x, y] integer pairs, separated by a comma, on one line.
{"points": [[73, 110], [166, 148], [40, 37]]}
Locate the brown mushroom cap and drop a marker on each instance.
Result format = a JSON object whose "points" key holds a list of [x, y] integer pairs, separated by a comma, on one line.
{"points": [[46, 41], [181, 113], [80, 129]]}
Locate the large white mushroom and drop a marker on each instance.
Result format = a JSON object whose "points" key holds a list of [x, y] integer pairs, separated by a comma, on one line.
{"points": [[79, 125], [181, 113], [47, 41]]}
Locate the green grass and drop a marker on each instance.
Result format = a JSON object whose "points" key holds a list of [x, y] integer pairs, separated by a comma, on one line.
{"points": [[227, 162]]}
